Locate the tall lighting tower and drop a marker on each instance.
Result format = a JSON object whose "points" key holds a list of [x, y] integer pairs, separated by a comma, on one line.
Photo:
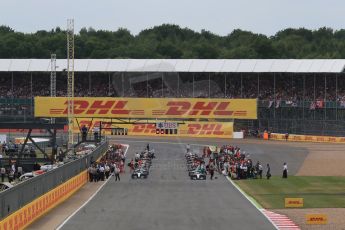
{"points": [[70, 82], [53, 79]]}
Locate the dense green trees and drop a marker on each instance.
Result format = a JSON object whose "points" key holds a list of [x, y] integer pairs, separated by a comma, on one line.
{"points": [[171, 41]]}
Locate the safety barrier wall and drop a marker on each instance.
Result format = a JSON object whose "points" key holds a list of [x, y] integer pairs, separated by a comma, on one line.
{"points": [[17, 197], [43, 204], [307, 138]]}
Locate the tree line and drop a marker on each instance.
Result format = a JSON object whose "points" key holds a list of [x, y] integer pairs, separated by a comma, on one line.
{"points": [[172, 41]]}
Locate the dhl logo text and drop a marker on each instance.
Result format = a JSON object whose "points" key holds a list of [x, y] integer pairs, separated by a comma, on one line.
{"points": [[215, 108], [317, 219], [96, 107], [205, 129], [170, 108], [144, 128], [294, 202]]}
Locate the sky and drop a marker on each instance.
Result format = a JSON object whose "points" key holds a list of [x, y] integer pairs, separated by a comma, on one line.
{"points": [[218, 16]]}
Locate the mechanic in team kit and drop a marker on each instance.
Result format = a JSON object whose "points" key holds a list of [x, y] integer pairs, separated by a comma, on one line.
{"points": [[117, 172], [188, 148], [211, 170], [227, 160]]}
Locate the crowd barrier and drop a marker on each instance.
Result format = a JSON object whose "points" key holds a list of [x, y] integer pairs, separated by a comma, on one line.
{"points": [[43, 204], [27, 201], [307, 138]]}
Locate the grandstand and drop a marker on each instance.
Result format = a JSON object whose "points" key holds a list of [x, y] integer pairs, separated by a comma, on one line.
{"points": [[294, 96]]}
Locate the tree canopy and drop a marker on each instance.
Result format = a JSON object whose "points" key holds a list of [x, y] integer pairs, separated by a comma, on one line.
{"points": [[172, 41]]}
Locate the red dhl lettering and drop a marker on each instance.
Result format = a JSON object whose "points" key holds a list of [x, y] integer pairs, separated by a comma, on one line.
{"points": [[144, 128], [172, 108], [90, 125], [98, 107], [294, 202], [206, 129], [180, 108], [316, 219]]}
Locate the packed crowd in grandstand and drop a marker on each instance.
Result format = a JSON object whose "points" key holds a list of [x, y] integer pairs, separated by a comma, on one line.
{"points": [[283, 90], [285, 87]]}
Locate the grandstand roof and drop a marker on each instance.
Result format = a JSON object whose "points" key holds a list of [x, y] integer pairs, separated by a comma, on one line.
{"points": [[180, 65]]}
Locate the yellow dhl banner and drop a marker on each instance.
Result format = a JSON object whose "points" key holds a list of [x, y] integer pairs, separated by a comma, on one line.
{"points": [[316, 219], [185, 129], [307, 138], [108, 107], [294, 202]]}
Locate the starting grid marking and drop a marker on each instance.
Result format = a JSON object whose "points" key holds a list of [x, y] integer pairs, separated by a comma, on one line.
{"points": [[281, 221]]}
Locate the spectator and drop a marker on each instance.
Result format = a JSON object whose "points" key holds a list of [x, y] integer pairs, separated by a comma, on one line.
{"points": [[84, 133], [3, 173], [13, 169], [96, 132], [20, 171], [11, 176], [285, 170]]}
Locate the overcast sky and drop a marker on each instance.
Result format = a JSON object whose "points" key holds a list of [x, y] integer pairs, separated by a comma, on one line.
{"points": [[217, 16]]}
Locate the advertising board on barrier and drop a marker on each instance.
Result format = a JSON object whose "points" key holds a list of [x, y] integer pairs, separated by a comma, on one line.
{"points": [[107, 107], [307, 138], [188, 128], [315, 219], [35, 209], [294, 202]]}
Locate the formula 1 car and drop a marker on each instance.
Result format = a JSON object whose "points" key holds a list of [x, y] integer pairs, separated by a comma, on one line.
{"points": [[150, 154], [140, 173], [197, 175]]}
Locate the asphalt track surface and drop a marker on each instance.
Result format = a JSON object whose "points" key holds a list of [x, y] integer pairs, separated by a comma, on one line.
{"points": [[168, 199]]}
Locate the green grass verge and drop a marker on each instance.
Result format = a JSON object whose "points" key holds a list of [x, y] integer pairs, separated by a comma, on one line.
{"points": [[318, 192]]}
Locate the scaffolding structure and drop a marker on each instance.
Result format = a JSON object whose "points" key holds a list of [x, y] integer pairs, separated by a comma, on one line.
{"points": [[53, 75], [53, 79], [70, 82]]}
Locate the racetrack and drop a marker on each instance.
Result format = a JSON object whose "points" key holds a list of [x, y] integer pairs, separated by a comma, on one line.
{"points": [[168, 199]]}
